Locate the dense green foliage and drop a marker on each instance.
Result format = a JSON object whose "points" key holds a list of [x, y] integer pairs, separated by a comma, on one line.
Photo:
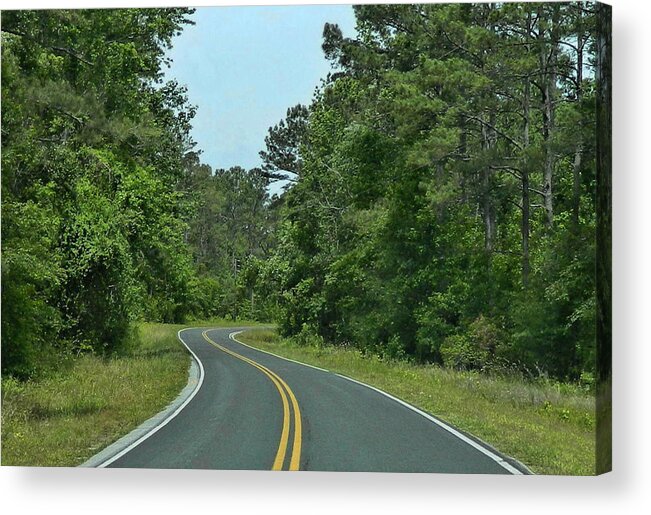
{"points": [[444, 208], [107, 214], [93, 149], [440, 202], [230, 235]]}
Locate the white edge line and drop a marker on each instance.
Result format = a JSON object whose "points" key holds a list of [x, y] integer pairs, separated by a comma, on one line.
{"points": [[234, 334], [168, 419], [498, 459]]}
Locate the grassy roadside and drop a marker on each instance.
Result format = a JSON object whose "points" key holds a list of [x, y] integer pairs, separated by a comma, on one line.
{"points": [[550, 427], [65, 418]]}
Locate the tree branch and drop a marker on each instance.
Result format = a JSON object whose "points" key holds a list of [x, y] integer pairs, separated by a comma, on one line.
{"points": [[58, 49], [534, 190], [490, 126], [508, 169]]}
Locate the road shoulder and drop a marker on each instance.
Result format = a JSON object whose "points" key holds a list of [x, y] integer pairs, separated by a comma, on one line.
{"points": [[117, 447]]}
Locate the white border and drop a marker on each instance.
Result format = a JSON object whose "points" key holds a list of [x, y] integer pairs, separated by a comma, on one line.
{"points": [[73, 491]]}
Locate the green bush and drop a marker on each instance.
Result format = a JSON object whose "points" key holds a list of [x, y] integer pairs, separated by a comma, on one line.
{"points": [[308, 337], [477, 349], [395, 348], [459, 353]]}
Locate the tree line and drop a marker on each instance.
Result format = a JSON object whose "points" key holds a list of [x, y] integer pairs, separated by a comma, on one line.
{"points": [[101, 190], [443, 206], [440, 198]]}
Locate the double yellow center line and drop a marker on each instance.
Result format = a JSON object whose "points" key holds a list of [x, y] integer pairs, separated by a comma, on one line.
{"points": [[285, 392]]}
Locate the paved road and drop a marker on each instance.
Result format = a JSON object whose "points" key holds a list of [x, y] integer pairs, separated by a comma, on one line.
{"points": [[257, 411]]}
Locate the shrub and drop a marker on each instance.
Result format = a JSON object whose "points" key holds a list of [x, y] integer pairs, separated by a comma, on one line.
{"points": [[457, 351], [474, 350], [308, 337], [395, 348], [485, 335]]}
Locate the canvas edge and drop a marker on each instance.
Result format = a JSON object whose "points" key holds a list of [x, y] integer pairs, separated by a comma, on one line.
{"points": [[603, 271]]}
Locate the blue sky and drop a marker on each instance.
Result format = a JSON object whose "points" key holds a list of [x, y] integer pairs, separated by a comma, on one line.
{"points": [[244, 66]]}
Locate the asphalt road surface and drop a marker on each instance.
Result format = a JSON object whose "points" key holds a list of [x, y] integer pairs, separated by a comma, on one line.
{"points": [[256, 411]]}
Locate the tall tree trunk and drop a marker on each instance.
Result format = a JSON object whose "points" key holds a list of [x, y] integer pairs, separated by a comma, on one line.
{"points": [[489, 139], [463, 151], [525, 227], [548, 53], [548, 170], [576, 185], [578, 153]]}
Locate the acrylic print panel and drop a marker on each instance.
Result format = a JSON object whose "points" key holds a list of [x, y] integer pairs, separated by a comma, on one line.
{"points": [[342, 238]]}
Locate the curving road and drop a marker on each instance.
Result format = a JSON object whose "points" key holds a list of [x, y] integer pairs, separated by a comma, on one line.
{"points": [[253, 410]]}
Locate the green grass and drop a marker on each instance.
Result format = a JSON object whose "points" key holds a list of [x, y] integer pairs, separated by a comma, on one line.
{"points": [[548, 426], [65, 418], [224, 322]]}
